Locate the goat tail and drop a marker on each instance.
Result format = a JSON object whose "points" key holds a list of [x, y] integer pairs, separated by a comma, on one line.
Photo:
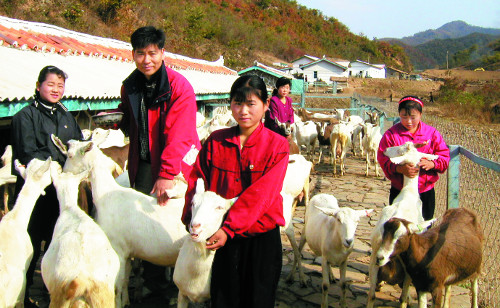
{"points": [[80, 293]]}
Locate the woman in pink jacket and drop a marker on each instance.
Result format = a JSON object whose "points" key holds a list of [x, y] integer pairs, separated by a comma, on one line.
{"points": [[411, 128]]}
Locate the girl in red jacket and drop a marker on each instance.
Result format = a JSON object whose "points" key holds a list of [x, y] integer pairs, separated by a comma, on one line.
{"points": [[247, 161]]}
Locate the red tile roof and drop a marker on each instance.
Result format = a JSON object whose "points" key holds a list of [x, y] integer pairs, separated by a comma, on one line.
{"points": [[30, 35]]}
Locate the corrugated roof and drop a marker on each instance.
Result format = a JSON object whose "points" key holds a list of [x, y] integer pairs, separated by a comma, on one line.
{"points": [[96, 66], [272, 70]]}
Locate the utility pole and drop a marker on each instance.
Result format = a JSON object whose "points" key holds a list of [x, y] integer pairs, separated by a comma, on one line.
{"points": [[447, 60]]}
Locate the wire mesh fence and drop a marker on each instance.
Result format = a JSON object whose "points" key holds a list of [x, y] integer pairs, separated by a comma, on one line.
{"points": [[479, 188]]}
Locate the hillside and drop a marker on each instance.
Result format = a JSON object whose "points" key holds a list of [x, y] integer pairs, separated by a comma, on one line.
{"points": [[240, 30], [464, 51], [451, 30]]}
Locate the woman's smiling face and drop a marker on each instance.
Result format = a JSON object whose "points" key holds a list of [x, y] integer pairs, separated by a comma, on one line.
{"points": [[52, 88]]}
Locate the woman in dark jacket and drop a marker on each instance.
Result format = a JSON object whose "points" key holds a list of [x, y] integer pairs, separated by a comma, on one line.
{"points": [[31, 130]]}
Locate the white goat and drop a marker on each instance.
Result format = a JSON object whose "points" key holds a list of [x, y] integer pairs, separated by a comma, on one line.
{"points": [[370, 143], [7, 180], [16, 250], [406, 205], [306, 136], [329, 231], [134, 223], [80, 266], [193, 268], [357, 133], [341, 133]]}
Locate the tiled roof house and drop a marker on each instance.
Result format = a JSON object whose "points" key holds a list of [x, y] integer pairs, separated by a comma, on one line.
{"points": [[96, 67]]}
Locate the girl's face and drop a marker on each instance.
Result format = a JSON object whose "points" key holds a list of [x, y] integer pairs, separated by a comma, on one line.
{"points": [[410, 121], [249, 114], [284, 90], [52, 89]]}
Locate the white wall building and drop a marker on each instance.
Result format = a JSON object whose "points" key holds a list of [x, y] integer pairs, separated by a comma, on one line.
{"points": [[363, 69], [323, 70]]}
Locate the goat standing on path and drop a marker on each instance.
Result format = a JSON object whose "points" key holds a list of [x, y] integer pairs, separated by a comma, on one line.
{"points": [[444, 255], [329, 231]]}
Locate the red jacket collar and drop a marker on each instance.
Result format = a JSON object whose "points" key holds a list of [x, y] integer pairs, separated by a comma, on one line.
{"points": [[234, 135]]}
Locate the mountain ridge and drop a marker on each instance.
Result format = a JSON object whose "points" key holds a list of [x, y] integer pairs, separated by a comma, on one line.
{"points": [[450, 30]]}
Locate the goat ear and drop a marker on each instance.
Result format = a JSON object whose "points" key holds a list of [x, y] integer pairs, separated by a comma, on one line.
{"points": [[420, 227], [43, 168], [419, 145], [363, 213], [55, 170], [200, 186], [429, 156], [88, 147], [327, 211], [59, 144], [397, 160], [21, 169]]}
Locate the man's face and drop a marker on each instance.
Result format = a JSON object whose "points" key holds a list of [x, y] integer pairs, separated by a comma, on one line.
{"points": [[148, 60]]}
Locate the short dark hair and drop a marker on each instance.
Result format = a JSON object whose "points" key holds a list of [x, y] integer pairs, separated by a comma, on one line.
{"points": [[50, 69], [247, 85], [282, 81], [145, 36], [410, 102]]}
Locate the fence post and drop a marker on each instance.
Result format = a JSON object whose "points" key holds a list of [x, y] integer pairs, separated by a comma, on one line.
{"points": [[454, 177]]}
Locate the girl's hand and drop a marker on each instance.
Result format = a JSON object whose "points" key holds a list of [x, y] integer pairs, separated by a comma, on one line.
{"points": [[426, 164], [408, 170], [217, 240]]}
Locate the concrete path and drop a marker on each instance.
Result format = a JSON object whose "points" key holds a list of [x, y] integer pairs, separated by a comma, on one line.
{"points": [[354, 190]]}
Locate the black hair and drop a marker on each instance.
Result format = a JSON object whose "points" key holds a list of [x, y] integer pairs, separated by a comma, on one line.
{"points": [[49, 69], [282, 81], [145, 36], [247, 85], [408, 103]]}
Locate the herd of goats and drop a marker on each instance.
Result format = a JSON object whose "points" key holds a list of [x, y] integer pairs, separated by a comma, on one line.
{"points": [[88, 262]]}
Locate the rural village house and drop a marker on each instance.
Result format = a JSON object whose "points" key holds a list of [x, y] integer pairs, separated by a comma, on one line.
{"points": [[363, 69], [270, 75]]}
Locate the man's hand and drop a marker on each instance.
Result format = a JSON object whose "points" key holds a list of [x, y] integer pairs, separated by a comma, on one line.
{"points": [[160, 188], [217, 240], [426, 164], [408, 170]]}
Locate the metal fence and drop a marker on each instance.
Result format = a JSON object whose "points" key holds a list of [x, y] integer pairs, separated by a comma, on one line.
{"points": [[479, 186]]}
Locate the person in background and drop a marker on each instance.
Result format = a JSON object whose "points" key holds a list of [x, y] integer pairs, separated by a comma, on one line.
{"points": [[280, 107], [247, 161], [31, 129], [159, 114], [411, 128]]}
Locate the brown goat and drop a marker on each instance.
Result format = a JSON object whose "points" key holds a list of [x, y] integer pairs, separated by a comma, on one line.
{"points": [[118, 154], [442, 256]]}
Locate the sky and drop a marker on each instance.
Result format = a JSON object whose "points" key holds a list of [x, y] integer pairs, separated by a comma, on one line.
{"points": [[399, 18]]}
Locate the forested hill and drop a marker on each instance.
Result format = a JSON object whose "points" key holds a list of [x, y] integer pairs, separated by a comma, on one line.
{"points": [[241, 30]]}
